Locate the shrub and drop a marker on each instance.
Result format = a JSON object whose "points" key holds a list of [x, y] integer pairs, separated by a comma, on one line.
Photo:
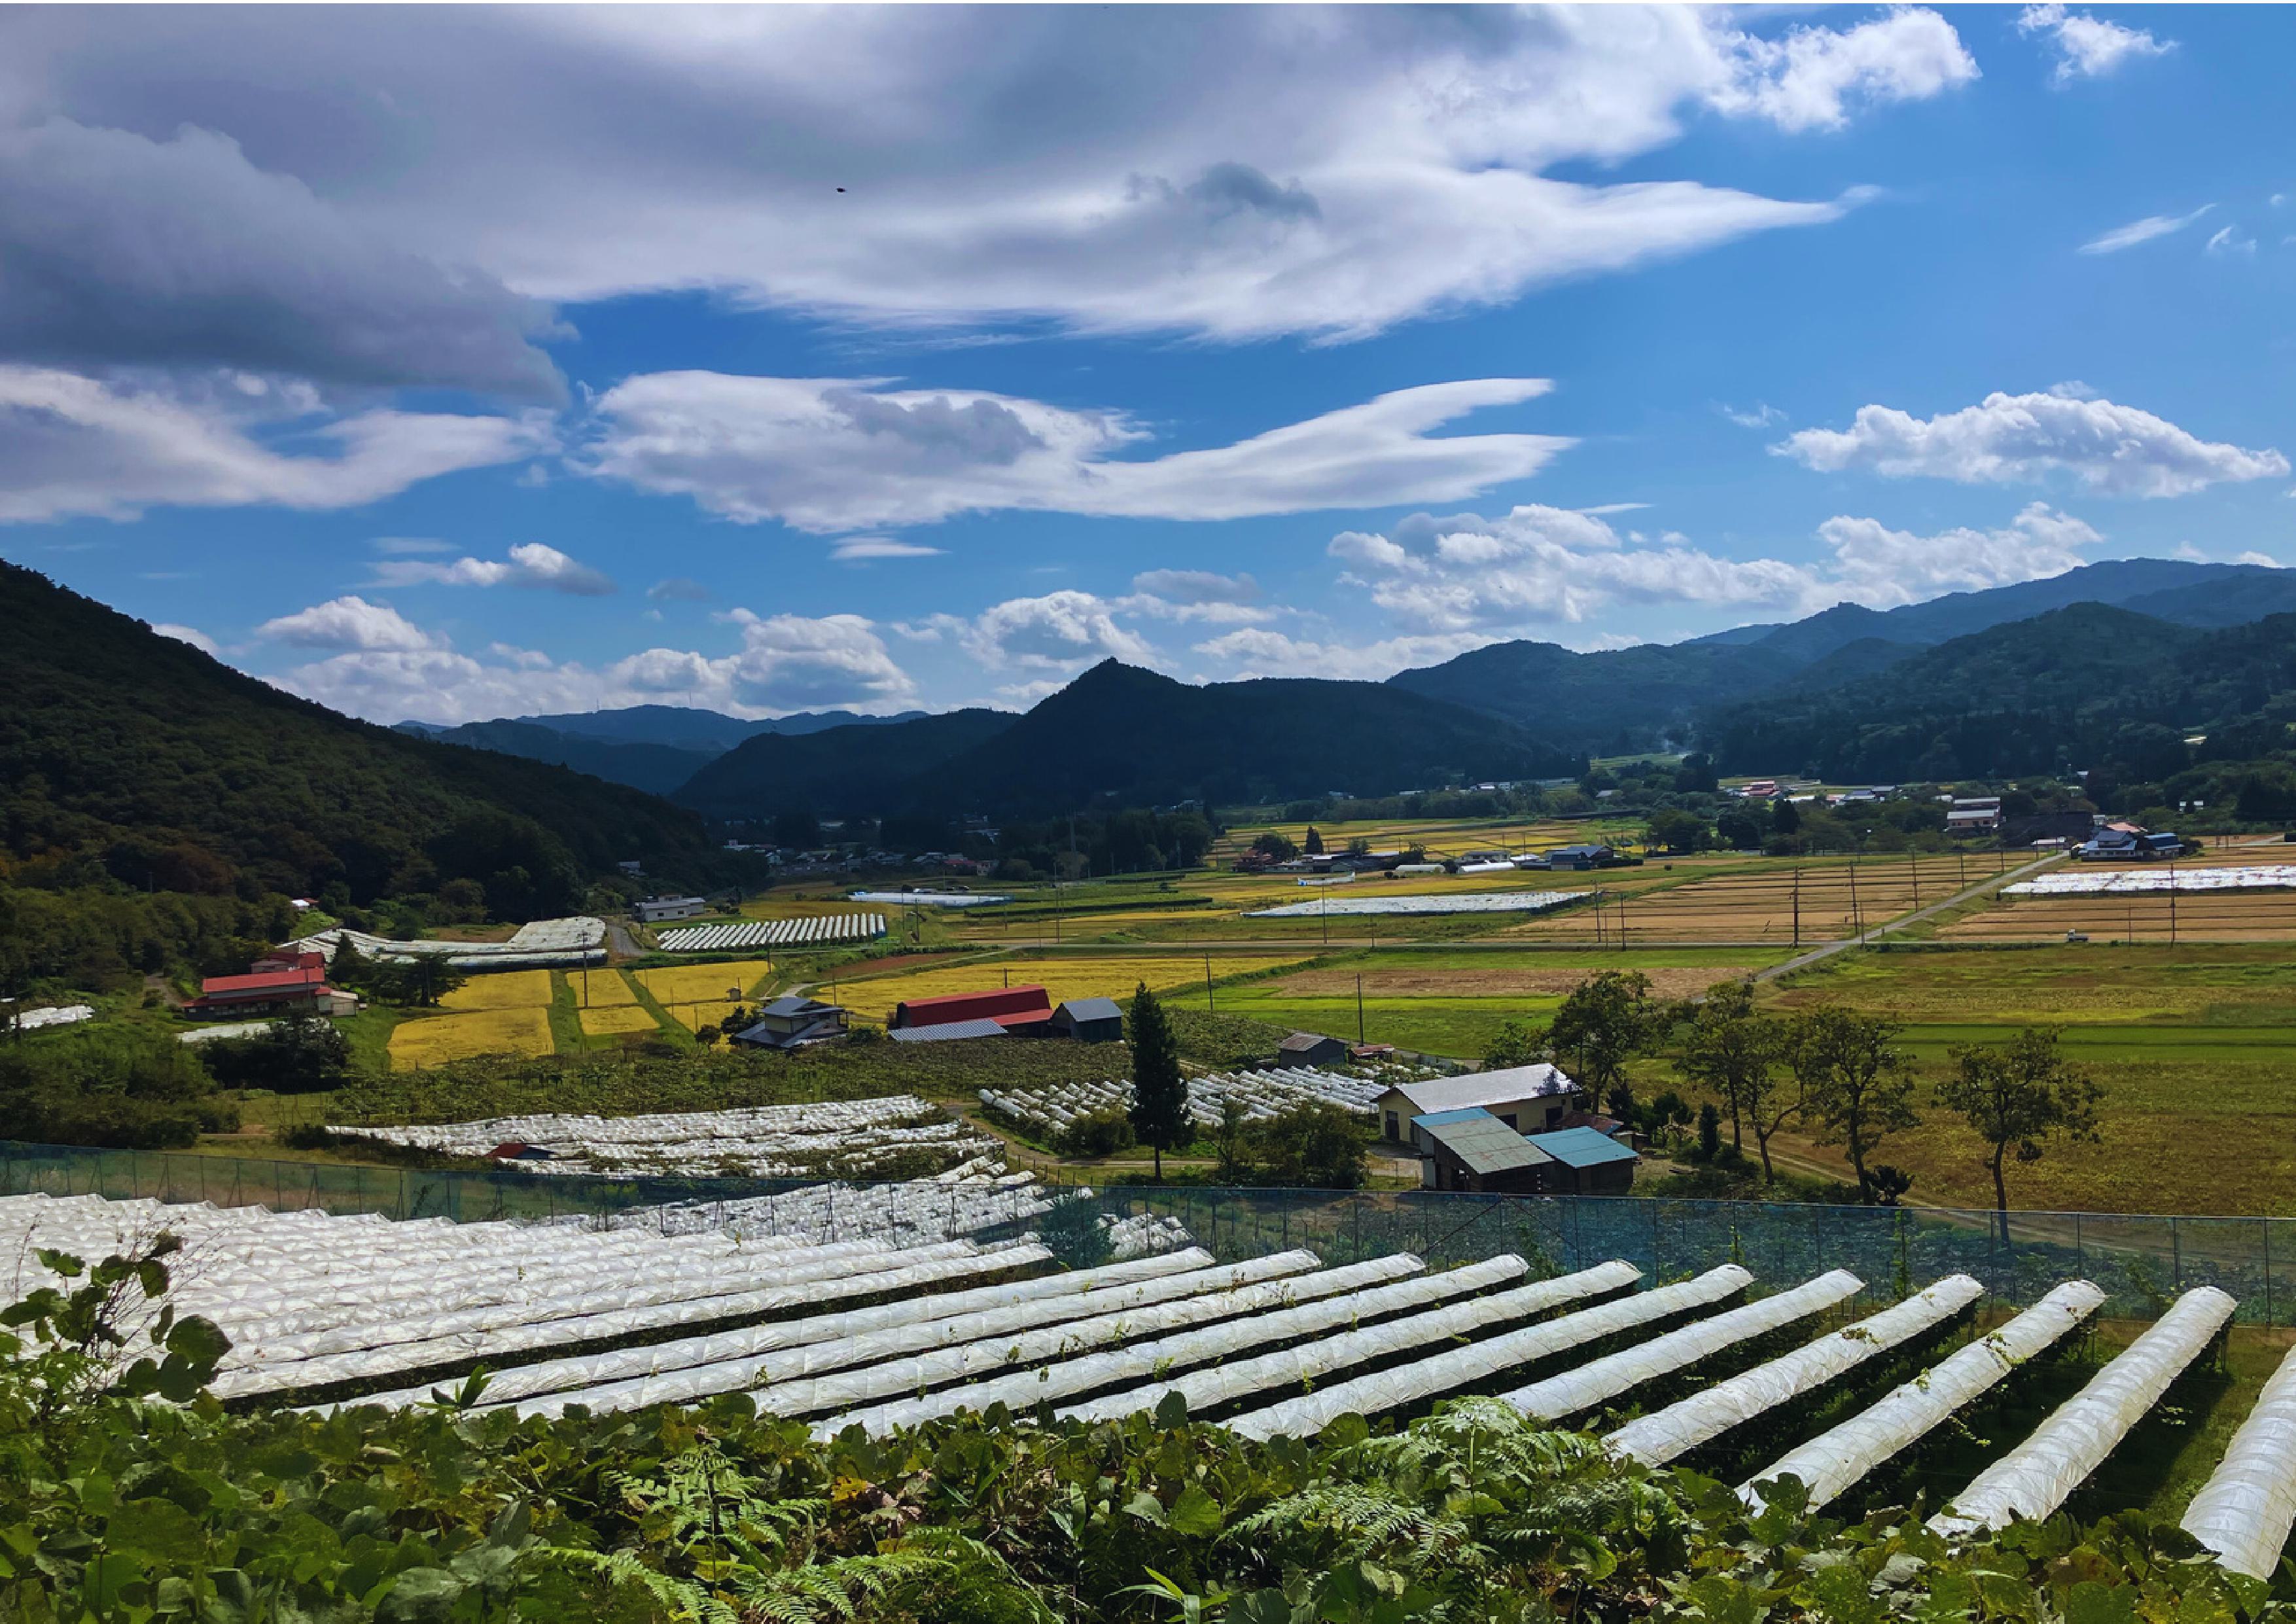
{"points": [[1104, 1133]]}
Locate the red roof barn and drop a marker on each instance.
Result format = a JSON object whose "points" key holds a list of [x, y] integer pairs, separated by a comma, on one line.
{"points": [[1007, 1006]]}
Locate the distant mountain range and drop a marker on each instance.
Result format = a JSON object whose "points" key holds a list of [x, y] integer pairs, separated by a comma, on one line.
{"points": [[1510, 711]]}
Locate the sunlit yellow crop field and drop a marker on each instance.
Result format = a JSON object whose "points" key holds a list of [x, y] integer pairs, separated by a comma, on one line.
{"points": [[608, 1021], [429, 1040], [1061, 978], [682, 984], [502, 989], [600, 989]]}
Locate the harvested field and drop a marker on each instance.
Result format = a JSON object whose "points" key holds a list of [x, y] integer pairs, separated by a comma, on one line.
{"points": [[428, 1040], [1512, 981], [1062, 978], [1808, 901], [504, 989], [2224, 917], [607, 1021]]}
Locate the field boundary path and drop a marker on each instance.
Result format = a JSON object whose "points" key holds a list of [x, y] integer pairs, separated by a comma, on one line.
{"points": [[1967, 893]]}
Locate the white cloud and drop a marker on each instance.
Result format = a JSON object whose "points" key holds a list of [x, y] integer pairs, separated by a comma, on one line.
{"points": [[73, 447], [1467, 575], [860, 549], [829, 455], [348, 623], [1808, 80], [2115, 450], [1060, 630], [1256, 172], [1882, 568], [2088, 47], [2142, 231], [2264, 560], [531, 564], [2229, 241], [1760, 415], [1257, 652], [1194, 586], [191, 635], [785, 662], [678, 588]]}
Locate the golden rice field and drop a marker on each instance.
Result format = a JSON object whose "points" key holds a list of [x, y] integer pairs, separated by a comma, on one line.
{"points": [[608, 1021], [1806, 902], [430, 1040], [675, 985], [600, 989], [502, 989], [1061, 978]]}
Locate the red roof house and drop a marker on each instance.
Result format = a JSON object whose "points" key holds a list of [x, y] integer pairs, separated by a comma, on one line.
{"points": [[304, 987], [1007, 1006]]}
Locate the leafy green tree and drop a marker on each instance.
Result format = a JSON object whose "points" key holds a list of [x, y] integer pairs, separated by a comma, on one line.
{"points": [[1709, 1132], [1231, 1143], [1315, 847], [1674, 830], [1518, 1043], [296, 1054], [1276, 845], [1317, 1146], [419, 982], [1855, 1085], [1607, 1020], [2019, 1096], [1160, 1093], [1736, 1055]]}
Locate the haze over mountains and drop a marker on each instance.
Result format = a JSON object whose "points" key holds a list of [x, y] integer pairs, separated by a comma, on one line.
{"points": [[1508, 710]]}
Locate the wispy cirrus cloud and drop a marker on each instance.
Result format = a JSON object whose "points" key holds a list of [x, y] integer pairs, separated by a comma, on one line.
{"points": [[2146, 230]]}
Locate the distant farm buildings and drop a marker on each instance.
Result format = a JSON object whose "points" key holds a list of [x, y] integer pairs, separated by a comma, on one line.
{"points": [[1471, 1150], [283, 983], [656, 910], [1527, 1098], [1089, 1020], [1008, 1009], [793, 1022]]}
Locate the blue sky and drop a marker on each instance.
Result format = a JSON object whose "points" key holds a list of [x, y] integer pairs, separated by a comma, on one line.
{"points": [[473, 363]]}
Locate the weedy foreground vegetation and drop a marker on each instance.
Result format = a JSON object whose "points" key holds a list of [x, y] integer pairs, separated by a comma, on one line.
{"points": [[127, 1493]]}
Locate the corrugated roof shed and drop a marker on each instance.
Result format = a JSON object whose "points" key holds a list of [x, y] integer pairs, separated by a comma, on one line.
{"points": [[1092, 1009], [1482, 1141], [945, 1031], [1009, 1006], [1582, 1147], [1445, 1093]]}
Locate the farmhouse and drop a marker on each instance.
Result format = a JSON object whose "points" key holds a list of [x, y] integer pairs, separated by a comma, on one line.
{"points": [[1472, 1150], [1581, 858], [1089, 1020], [1310, 1049], [1012, 1008], [1527, 1098], [793, 1022], [299, 987], [655, 909], [1974, 815]]}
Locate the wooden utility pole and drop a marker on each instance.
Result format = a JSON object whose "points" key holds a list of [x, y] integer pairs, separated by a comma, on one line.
{"points": [[1359, 1017], [1797, 904]]}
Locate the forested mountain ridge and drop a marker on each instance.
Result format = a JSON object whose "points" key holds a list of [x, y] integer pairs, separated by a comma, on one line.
{"points": [[656, 768], [131, 757], [653, 748], [859, 771], [2089, 687], [1621, 700]]}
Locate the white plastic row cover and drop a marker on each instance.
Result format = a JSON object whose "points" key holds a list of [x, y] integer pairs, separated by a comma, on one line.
{"points": [[1288, 1366], [794, 1366], [461, 1339], [1009, 1358], [1831, 1463], [507, 1387], [2033, 1479], [1667, 1434], [2244, 1511], [1345, 1305], [1379, 1391], [1583, 1389]]}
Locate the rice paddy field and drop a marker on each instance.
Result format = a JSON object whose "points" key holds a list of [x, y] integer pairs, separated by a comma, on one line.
{"points": [[695, 995], [2193, 1046], [429, 1040], [504, 989]]}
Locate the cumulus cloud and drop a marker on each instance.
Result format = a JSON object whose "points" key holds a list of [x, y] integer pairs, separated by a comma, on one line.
{"points": [[531, 564], [2087, 47], [785, 662], [1257, 652], [1464, 576], [861, 549], [348, 623], [1882, 568], [1259, 171], [73, 447], [1060, 630], [2142, 231], [831, 454], [1810, 78], [116, 250], [191, 635], [2114, 450]]}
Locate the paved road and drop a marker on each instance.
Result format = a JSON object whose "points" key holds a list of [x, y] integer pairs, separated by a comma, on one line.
{"points": [[1818, 954], [620, 943]]}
